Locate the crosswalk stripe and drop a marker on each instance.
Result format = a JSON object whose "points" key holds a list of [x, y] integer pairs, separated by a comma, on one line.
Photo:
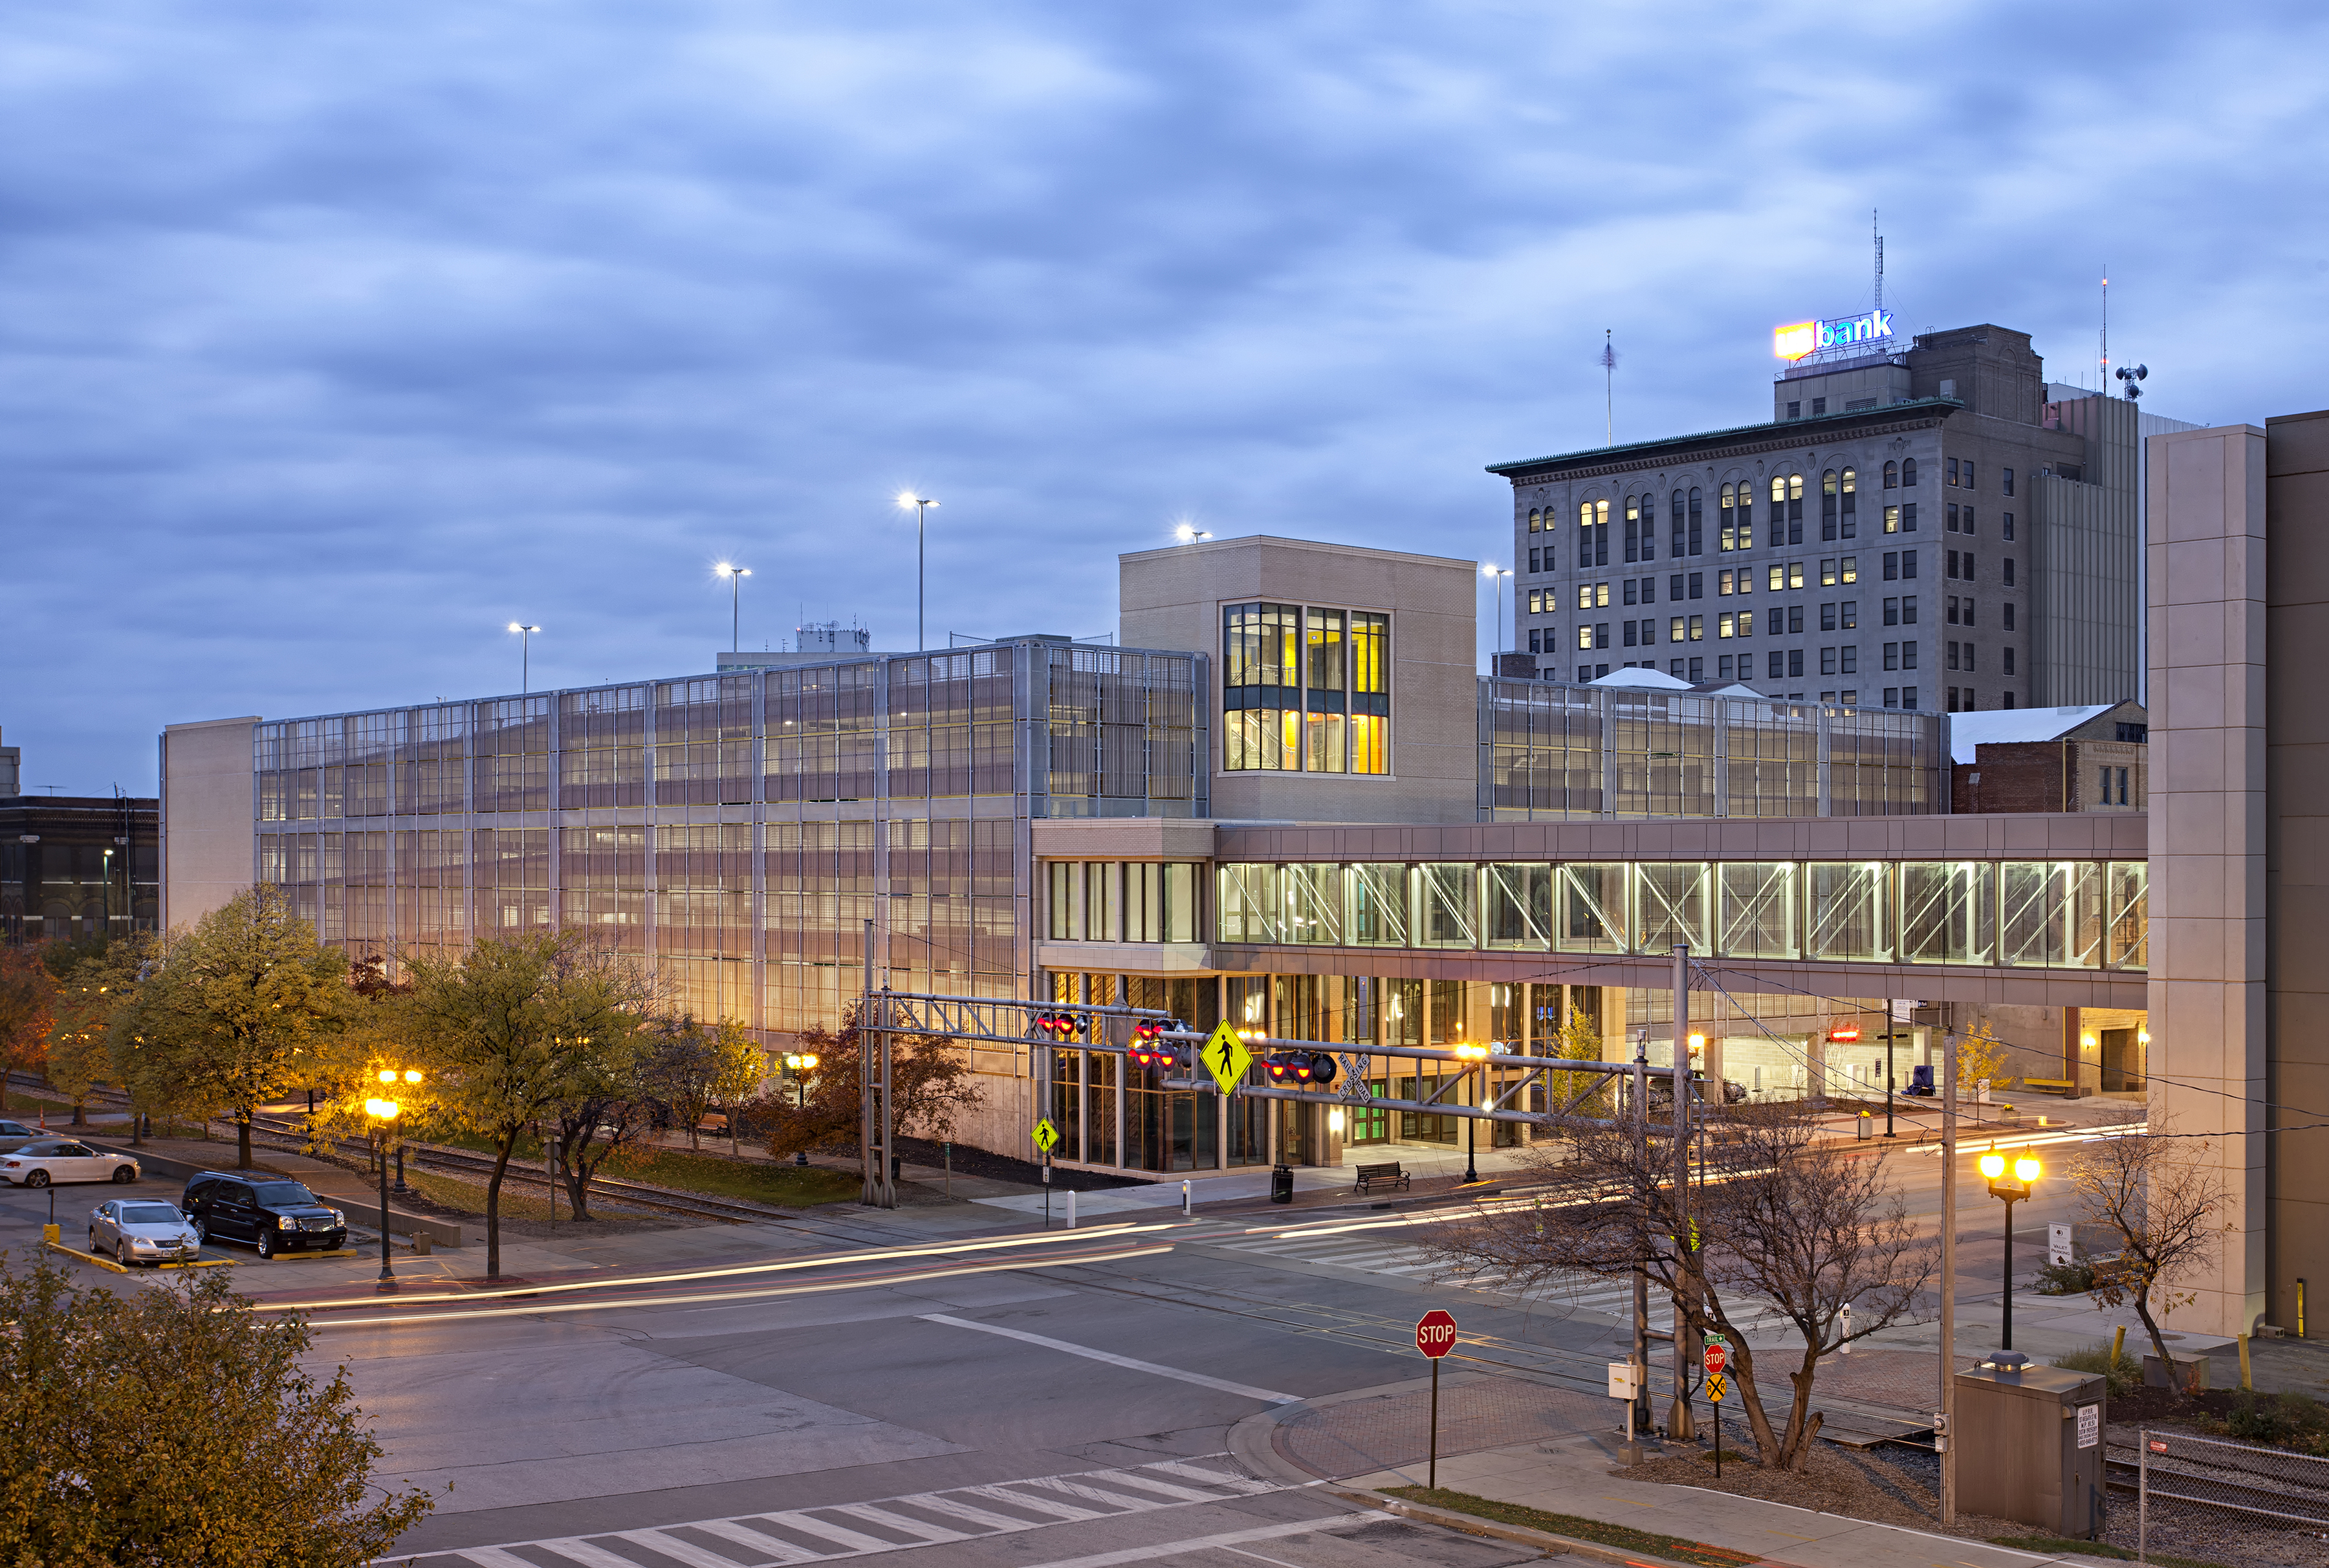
{"points": [[1039, 1501], [1036, 1505], [580, 1550], [744, 1535], [672, 1546], [901, 1523]]}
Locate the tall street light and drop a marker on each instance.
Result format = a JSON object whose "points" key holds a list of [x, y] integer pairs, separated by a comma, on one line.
{"points": [[1472, 1054], [2010, 1191], [1190, 534], [384, 1111], [921, 505], [525, 654], [735, 576], [1491, 569]]}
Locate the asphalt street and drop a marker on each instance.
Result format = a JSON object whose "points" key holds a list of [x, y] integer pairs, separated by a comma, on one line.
{"points": [[1072, 1401]]}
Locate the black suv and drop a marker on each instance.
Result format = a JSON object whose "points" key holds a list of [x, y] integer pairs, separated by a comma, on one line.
{"points": [[273, 1213]]}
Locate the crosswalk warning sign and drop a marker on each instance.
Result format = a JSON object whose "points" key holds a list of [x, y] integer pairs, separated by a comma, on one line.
{"points": [[1226, 1057]]}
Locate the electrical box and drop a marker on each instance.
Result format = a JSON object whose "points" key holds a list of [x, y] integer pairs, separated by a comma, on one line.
{"points": [[2029, 1446], [1625, 1379]]}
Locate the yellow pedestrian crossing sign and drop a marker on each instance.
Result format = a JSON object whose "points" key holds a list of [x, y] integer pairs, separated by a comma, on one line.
{"points": [[1046, 1136], [1716, 1385], [1226, 1057]]}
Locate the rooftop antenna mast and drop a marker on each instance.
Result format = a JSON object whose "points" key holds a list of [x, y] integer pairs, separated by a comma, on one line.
{"points": [[2103, 381], [1609, 383], [1879, 261]]}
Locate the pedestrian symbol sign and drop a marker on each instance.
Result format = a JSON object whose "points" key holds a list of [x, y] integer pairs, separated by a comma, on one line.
{"points": [[1226, 1057], [1716, 1385], [1046, 1136]]}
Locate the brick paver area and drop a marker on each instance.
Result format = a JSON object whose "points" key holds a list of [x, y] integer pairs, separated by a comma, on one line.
{"points": [[1362, 1435]]}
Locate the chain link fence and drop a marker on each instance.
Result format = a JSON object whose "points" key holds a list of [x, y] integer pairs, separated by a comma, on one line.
{"points": [[2269, 1485]]}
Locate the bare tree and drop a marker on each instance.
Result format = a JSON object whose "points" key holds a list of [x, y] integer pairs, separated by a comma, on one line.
{"points": [[1772, 1215], [2162, 1197]]}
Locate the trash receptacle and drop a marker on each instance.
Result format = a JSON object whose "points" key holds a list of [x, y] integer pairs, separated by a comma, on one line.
{"points": [[1281, 1184]]}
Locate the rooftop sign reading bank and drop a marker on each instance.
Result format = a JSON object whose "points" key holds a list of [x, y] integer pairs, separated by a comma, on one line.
{"points": [[1805, 338]]}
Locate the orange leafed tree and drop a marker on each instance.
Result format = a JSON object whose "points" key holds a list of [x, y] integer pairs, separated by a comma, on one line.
{"points": [[28, 1004]]}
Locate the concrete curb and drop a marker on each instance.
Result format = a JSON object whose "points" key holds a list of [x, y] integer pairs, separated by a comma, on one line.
{"points": [[1473, 1524]]}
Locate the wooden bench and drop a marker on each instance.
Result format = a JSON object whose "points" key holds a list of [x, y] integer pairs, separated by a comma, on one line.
{"points": [[2051, 1085], [1373, 1176]]}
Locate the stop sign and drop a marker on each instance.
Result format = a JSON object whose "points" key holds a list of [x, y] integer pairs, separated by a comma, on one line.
{"points": [[1435, 1334], [1716, 1355]]}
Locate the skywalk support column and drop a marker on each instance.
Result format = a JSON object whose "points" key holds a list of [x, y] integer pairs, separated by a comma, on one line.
{"points": [[1678, 1423], [2207, 991]]}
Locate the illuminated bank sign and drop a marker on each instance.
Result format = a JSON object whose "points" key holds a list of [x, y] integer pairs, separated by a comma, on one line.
{"points": [[1805, 338]]}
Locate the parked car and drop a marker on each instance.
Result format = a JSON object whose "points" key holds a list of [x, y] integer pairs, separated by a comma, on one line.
{"points": [[141, 1230], [47, 1160], [14, 1135], [272, 1213], [1733, 1092]]}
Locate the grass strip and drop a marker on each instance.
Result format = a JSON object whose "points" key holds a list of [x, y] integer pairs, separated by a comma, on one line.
{"points": [[2055, 1545], [1621, 1537]]}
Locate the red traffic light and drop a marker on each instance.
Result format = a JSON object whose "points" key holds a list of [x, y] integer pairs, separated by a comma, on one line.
{"points": [[1147, 1029], [1146, 1054], [1059, 1026], [1302, 1069]]}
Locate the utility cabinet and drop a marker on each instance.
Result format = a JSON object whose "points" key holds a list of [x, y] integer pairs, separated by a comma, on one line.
{"points": [[2029, 1444]]}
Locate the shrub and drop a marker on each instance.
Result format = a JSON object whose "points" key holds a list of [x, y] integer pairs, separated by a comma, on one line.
{"points": [[2123, 1375], [2072, 1279]]}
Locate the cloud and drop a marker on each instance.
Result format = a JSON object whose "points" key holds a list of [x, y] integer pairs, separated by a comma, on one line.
{"points": [[337, 340]]}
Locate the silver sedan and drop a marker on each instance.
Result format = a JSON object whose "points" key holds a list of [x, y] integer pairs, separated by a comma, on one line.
{"points": [[141, 1230]]}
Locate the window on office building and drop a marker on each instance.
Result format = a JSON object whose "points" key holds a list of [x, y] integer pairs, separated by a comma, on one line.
{"points": [[1304, 692]]}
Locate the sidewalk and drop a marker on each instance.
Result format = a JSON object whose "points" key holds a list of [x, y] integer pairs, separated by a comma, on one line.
{"points": [[1555, 1450]]}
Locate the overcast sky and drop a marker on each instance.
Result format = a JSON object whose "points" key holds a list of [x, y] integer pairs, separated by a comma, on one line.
{"points": [[337, 337]]}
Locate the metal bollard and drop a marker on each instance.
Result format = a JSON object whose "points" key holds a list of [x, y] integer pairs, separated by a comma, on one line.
{"points": [[1184, 1200], [1071, 1208]]}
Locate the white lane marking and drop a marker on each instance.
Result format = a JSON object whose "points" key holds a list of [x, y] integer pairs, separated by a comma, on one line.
{"points": [[1223, 1384], [1132, 1502], [842, 1535], [1201, 1543], [495, 1557]]}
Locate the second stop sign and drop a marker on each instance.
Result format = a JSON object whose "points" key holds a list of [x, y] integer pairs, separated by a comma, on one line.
{"points": [[1718, 1355], [1435, 1334]]}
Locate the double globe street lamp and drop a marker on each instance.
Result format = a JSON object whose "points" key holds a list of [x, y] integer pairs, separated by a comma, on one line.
{"points": [[2010, 1191], [384, 1111]]}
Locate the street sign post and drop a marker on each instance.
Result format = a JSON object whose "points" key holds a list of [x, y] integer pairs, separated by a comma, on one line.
{"points": [[1226, 1057], [1435, 1336], [1716, 1357]]}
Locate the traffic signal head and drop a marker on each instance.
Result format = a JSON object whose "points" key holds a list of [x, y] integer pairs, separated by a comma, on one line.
{"points": [[1147, 1030], [1300, 1069], [1154, 1054]]}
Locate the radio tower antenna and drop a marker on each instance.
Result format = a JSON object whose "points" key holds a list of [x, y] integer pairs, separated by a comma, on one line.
{"points": [[2103, 381], [1609, 383], [1879, 261]]}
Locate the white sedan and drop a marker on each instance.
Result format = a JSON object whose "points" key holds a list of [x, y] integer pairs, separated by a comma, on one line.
{"points": [[47, 1160], [142, 1231]]}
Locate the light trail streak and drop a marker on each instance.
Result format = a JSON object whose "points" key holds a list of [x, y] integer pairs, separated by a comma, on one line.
{"points": [[826, 1261], [874, 1282]]}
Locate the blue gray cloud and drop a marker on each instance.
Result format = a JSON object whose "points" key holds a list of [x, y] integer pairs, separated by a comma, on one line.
{"points": [[332, 339]]}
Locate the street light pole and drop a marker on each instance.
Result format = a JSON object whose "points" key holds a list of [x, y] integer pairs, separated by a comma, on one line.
{"points": [[525, 654], [921, 505], [735, 576], [2026, 1172], [384, 1111], [1474, 1055], [1490, 569]]}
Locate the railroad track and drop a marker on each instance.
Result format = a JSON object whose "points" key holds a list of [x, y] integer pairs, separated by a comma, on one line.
{"points": [[2187, 1486]]}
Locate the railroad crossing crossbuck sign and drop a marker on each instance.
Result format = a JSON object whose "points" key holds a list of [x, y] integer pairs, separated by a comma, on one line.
{"points": [[1226, 1057], [1046, 1136], [1435, 1334], [1716, 1385]]}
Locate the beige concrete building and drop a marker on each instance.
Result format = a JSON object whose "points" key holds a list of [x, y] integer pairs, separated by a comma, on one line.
{"points": [[208, 826]]}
